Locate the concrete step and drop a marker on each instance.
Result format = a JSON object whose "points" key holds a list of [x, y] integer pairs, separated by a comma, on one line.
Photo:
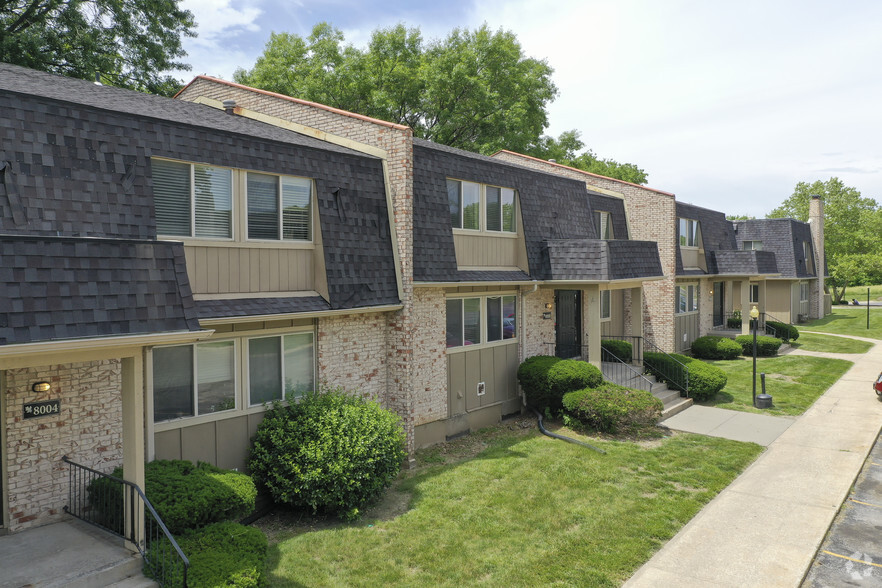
{"points": [[138, 581], [106, 575], [675, 407]]}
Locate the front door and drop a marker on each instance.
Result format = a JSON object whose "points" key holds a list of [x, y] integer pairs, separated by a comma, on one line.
{"points": [[568, 323], [719, 303]]}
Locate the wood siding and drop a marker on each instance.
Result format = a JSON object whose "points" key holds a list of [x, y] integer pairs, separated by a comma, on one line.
{"points": [[685, 330], [224, 443], [242, 269], [482, 250], [496, 366]]}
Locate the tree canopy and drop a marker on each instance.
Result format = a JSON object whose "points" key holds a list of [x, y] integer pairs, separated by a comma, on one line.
{"points": [[852, 230], [128, 43], [474, 89]]}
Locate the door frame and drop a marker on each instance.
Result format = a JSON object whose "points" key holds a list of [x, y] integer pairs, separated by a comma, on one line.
{"points": [[719, 303], [577, 319]]}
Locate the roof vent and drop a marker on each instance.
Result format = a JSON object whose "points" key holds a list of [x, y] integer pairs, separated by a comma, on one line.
{"points": [[229, 106], [552, 160]]}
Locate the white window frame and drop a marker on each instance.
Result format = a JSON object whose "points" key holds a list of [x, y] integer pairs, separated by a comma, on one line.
{"points": [[692, 230], [753, 293], [605, 305], [752, 245], [604, 225], [692, 298], [483, 323], [809, 258], [804, 291], [483, 209], [280, 178], [247, 371], [193, 202]]}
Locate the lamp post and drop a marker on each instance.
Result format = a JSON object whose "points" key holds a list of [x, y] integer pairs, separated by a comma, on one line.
{"points": [[754, 315]]}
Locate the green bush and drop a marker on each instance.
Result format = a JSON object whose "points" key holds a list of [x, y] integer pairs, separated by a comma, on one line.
{"points": [[733, 322], [572, 374], [221, 554], [533, 378], [765, 346], [783, 331], [621, 349], [330, 452], [705, 379], [185, 496], [611, 408], [711, 347]]}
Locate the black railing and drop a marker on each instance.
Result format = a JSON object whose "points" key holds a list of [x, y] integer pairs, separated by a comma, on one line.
{"points": [[619, 372], [636, 343], [731, 320], [120, 507], [666, 368], [770, 330]]}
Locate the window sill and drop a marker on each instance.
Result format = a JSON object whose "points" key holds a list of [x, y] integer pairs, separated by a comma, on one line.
{"points": [[233, 244], [189, 421], [476, 346], [479, 233]]}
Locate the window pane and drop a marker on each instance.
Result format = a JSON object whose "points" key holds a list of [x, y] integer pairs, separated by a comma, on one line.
{"points": [[683, 231], [494, 318], [681, 299], [508, 210], [494, 214], [605, 304], [609, 227], [171, 197], [471, 205], [299, 364], [263, 206], [296, 199], [172, 382], [454, 203], [264, 370], [471, 318], [454, 322], [696, 234], [216, 376], [509, 317], [214, 201]]}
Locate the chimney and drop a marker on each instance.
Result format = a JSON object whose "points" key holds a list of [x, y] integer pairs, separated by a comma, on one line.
{"points": [[816, 222], [229, 106]]}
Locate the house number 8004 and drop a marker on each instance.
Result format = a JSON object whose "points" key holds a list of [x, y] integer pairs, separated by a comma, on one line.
{"points": [[38, 409]]}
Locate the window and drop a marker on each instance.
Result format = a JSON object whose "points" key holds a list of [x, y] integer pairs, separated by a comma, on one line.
{"points": [[465, 317], [752, 246], [192, 200], [690, 233], [192, 380], [686, 298], [466, 200], [279, 367], [605, 305], [603, 222], [279, 207], [803, 291], [809, 259], [754, 293]]}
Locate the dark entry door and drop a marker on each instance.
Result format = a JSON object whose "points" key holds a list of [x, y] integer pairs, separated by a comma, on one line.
{"points": [[568, 318], [719, 303]]}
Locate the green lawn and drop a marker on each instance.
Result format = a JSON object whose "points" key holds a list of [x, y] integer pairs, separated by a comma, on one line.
{"points": [[526, 511], [794, 381], [860, 292], [821, 342], [848, 321]]}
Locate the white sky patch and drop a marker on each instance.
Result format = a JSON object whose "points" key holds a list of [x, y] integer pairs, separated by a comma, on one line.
{"points": [[222, 26]]}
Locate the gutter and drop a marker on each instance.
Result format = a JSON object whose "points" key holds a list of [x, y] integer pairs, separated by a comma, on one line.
{"points": [[213, 321], [94, 343]]}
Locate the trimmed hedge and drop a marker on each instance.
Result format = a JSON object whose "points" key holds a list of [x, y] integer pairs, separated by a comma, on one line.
{"points": [[621, 349], [733, 322], [712, 347], [221, 554], [783, 331], [611, 408], [545, 379], [765, 346], [705, 379], [533, 378], [330, 452], [185, 496]]}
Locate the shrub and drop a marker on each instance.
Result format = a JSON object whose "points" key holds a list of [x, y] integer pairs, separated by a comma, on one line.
{"points": [[533, 378], [221, 554], [783, 331], [329, 452], [733, 322], [185, 495], [621, 349], [705, 379], [667, 368], [711, 347], [572, 374], [765, 346], [611, 408]]}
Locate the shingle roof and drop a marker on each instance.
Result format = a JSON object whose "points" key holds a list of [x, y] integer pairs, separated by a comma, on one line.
{"points": [[594, 259], [616, 208], [717, 234], [62, 288], [745, 263], [245, 307], [784, 237]]}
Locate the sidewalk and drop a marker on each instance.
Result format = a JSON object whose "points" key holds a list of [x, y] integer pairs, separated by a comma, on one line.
{"points": [[765, 527]]}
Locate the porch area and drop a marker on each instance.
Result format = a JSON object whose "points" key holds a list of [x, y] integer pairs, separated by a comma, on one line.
{"points": [[69, 553]]}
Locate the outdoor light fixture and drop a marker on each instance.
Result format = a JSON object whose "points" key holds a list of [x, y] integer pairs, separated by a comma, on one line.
{"points": [[41, 386], [548, 306]]}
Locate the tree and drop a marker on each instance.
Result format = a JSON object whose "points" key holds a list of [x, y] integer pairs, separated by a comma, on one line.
{"points": [[564, 150], [473, 90], [852, 229], [127, 43]]}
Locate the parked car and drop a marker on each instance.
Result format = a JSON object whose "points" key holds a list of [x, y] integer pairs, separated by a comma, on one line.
{"points": [[878, 385]]}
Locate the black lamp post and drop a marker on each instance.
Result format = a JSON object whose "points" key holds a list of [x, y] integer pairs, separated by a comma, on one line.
{"points": [[754, 315]]}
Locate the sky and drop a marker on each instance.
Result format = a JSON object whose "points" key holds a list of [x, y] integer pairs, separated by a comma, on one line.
{"points": [[726, 104]]}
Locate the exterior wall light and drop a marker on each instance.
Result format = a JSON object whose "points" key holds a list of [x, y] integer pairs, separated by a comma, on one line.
{"points": [[41, 386], [548, 306]]}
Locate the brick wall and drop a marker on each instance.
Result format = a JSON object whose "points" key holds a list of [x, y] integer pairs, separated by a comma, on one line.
{"points": [[430, 354], [88, 430], [351, 353], [537, 330]]}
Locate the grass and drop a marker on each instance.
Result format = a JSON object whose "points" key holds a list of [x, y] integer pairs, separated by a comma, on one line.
{"points": [[860, 292], [848, 321], [527, 510], [794, 382], [821, 342]]}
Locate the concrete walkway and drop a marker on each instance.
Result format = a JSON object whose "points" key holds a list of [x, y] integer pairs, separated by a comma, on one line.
{"points": [[764, 529], [730, 424]]}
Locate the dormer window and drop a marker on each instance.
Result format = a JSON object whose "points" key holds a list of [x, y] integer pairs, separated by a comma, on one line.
{"points": [[690, 233], [603, 222], [809, 259], [479, 207], [752, 246]]}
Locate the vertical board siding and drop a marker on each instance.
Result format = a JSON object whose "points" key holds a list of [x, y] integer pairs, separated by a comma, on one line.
{"points": [[485, 251], [224, 443], [232, 270], [496, 366], [685, 324]]}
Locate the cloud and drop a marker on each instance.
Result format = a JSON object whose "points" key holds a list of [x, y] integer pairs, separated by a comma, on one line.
{"points": [[217, 18]]}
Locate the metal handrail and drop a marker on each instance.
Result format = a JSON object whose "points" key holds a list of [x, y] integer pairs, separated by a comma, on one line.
{"points": [[631, 375], [636, 342], [678, 380], [115, 512]]}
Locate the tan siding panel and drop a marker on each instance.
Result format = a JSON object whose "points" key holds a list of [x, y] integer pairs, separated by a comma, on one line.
{"points": [[199, 443], [685, 331], [472, 377], [233, 443], [456, 383], [167, 444], [485, 251]]}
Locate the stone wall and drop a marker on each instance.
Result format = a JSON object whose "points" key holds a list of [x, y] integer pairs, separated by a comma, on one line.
{"points": [[88, 430]]}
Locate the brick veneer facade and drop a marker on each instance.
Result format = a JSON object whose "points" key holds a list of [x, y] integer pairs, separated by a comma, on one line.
{"points": [[652, 216], [87, 430], [351, 353]]}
